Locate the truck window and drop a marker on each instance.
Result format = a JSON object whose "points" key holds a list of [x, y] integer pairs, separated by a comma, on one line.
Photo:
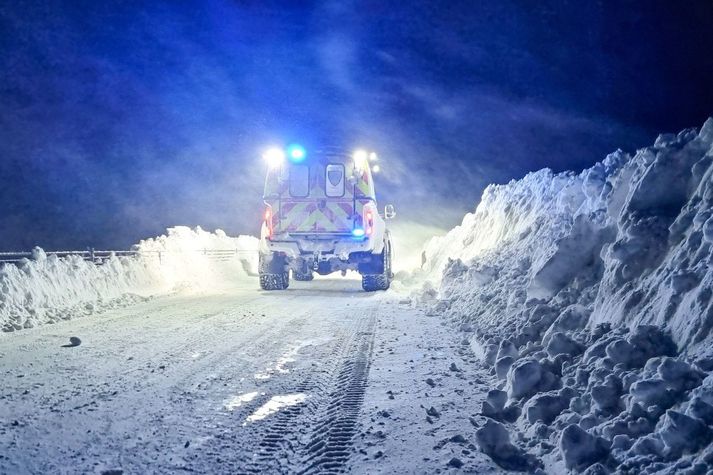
{"points": [[299, 181], [334, 180]]}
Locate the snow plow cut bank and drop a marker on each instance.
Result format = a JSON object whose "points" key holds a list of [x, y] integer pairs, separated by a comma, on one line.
{"points": [[589, 297], [321, 217]]}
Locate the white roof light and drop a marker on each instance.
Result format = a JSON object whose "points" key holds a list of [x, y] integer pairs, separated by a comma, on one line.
{"points": [[360, 155], [360, 159], [274, 157]]}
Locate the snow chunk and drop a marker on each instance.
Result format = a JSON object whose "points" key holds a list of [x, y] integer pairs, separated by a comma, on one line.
{"points": [[560, 343], [680, 433], [545, 407], [523, 378], [494, 440], [581, 449]]}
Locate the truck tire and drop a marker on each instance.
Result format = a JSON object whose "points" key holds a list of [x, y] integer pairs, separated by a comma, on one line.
{"points": [[303, 276], [273, 272], [382, 280]]}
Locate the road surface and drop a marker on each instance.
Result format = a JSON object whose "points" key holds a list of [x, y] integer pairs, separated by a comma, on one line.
{"points": [[320, 378]]}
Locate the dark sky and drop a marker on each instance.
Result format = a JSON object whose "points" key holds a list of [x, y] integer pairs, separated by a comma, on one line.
{"points": [[118, 119]]}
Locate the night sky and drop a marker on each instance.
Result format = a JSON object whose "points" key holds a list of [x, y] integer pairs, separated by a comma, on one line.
{"points": [[118, 119]]}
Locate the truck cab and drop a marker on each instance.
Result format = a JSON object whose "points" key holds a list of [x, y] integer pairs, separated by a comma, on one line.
{"points": [[321, 216]]}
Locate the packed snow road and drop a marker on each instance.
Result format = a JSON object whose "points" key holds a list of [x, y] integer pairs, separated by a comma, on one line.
{"points": [[321, 377]]}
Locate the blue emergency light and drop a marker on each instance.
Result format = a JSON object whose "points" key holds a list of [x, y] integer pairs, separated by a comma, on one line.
{"points": [[296, 153]]}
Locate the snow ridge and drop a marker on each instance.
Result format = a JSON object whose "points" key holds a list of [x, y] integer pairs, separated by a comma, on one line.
{"points": [[590, 298], [628, 239], [48, 289]]}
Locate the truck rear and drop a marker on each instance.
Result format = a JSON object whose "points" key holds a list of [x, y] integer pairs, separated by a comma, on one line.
{"points": [[321, 216]]}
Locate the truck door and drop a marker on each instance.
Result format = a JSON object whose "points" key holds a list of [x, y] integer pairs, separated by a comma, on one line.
{"points": [[320, 200]]}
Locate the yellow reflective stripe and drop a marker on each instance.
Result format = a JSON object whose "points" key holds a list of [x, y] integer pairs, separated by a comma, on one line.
{"points": [[363, 187], [312, 218], [325, 222], [321, 219], [338, 211], [299, 219], [294, 216]]}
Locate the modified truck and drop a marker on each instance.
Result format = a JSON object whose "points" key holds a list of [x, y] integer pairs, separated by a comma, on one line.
{"points": [[321, 217]]}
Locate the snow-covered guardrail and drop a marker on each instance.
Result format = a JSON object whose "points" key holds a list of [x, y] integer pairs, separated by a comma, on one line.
{"points": [[99, 256], [39, 287], [212, 254], [88, 255]]}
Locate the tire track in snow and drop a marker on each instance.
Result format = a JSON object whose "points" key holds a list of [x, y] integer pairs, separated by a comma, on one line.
{"points": [[316, 435], [330, 446], [198, 395], [156, 406]]}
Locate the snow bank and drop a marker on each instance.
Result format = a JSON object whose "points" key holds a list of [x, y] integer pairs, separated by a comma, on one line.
{"points": [[590, 298], [626, 241], [47, 289], [194, 259]]}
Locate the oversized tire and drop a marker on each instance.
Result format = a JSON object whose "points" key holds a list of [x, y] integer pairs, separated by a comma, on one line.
{"points": [[273, 272], [303, 276], [381, 278]]}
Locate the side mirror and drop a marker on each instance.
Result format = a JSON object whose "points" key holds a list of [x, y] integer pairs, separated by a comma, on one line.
{"points": [[389, 212]]}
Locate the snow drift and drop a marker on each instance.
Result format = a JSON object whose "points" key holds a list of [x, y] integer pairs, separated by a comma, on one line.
{"points": [[590, 297], [47, 289], [627, 241], [194, 259]]}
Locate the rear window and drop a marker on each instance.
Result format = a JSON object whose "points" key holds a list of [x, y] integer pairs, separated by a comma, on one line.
{"points": [[334, 180], [299, 181]]}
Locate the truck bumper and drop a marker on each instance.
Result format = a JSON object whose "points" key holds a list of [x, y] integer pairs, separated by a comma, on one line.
{"points": [[324, 255]]}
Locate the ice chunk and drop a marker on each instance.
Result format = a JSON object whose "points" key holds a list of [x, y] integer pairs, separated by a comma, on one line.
{"points": [[507, 348], [560, 343], [523, 378], [680, 433], [652, 392], [502, 366], [679, 374], [700, 409], [494, 440], [606, 396], [547, 406], [648, 445], [581, 449]]}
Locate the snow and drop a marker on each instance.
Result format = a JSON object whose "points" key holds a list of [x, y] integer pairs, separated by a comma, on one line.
{"points": [[625, 239], [584, 304], [182, 258], [580, 449], [589, 297], [367, 385], [47, 289], [276, 404], [237, 401], [494, 440]]}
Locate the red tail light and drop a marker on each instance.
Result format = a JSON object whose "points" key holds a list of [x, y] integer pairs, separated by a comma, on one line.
{"points": [[368, 221], [268, 221]]}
